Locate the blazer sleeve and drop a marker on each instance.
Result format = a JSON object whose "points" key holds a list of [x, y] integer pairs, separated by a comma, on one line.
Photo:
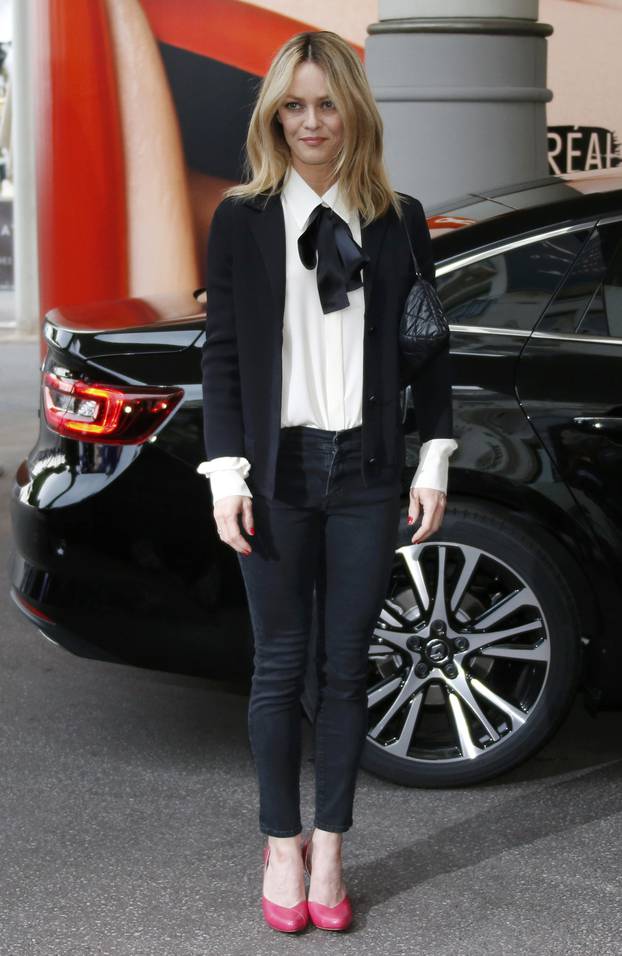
{"points": [[432, 384], [223, 428]]}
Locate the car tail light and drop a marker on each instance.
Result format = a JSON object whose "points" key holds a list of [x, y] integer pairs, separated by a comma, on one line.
{"points": [[110, 414]]}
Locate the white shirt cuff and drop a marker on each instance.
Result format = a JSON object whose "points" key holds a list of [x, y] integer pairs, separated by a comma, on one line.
{"points": [[433, 468], [226, 475]]}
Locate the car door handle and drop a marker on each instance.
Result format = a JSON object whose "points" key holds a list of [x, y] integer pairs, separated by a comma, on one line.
{"points": [[599, 423]]}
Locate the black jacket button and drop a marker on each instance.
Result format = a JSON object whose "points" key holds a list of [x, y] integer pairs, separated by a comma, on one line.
{"points": [[371, 460], [371, 398], [371, 329]]}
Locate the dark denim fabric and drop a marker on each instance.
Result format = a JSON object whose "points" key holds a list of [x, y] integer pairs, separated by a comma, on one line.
{"points": [[325, 530]]}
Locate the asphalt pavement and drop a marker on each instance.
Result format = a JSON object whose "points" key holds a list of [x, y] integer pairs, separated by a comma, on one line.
{"points": [[128, 813]]}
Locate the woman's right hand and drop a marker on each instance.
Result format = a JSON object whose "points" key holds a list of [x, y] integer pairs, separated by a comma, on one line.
{"points": [[226, 512]]}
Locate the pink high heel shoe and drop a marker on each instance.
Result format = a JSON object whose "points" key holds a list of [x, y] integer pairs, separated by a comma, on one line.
{"points": [[326, 917], [287, 919]]}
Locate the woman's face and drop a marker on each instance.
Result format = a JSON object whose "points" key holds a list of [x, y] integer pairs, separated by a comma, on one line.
{"points": [[311, 124]]}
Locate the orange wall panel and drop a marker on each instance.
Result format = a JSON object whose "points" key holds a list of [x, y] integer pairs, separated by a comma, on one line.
{"points": [[79, 156]]}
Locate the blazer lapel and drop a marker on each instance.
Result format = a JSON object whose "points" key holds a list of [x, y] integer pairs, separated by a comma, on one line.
{"points": [[372, 237], [268, 228]]}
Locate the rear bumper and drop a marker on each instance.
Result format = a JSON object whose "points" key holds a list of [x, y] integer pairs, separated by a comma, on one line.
{"points": [[56, 633], [132, 573]]}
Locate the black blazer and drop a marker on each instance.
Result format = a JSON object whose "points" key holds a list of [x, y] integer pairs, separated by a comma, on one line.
{"points": [[241, 355]]}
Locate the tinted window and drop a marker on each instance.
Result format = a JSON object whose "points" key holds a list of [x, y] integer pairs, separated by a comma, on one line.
{"points": [[590, 301], [509, 290]]}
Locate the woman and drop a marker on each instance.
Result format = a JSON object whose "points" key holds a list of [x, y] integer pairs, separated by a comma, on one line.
{"points": [[308, 269]]}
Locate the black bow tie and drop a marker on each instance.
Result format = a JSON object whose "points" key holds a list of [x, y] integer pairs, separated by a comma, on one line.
{"points": [[339, 257]]}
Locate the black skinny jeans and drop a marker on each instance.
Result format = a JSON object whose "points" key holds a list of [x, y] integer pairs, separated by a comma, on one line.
{"points": [[324, 529]]}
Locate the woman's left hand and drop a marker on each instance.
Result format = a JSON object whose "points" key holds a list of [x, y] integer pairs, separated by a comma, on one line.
{"points": [[433, 504]]}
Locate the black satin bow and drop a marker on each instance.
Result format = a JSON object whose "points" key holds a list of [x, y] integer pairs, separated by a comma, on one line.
{"points": [[339, 257]]}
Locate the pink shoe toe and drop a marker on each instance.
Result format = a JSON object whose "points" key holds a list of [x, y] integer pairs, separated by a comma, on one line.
{"points": [[287, 919], [331, 917], [327, 917]]}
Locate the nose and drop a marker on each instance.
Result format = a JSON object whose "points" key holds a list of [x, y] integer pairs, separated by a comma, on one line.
{"points": [[311, 121]]}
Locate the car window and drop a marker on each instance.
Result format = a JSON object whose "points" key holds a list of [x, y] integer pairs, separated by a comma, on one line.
{"points": [[511, 289], [590, 300]]}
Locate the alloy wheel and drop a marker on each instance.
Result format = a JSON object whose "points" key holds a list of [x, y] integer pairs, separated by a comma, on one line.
{"points": [[459, 657]]}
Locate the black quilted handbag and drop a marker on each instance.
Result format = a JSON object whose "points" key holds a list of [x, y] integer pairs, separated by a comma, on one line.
{"points": [[424, 329]]}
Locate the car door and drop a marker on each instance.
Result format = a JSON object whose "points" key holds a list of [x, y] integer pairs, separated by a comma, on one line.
{"points": [[493, 298], [569, 383]]}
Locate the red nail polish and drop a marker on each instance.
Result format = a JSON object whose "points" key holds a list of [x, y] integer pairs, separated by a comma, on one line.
{"points": [[252, 531], [410, 519], [245, 552]]}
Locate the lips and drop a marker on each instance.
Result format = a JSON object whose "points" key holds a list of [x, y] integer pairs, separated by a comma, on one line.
{"points": [[313, 139]]}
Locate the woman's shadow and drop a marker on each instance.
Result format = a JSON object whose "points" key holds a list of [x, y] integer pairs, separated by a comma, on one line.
{"points": [[574, 780]]}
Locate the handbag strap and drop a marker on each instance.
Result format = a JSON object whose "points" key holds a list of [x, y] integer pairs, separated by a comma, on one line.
{"points": [[412, 252]]}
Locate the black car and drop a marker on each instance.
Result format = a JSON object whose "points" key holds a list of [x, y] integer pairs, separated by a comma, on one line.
{"points": [[490, 626]]}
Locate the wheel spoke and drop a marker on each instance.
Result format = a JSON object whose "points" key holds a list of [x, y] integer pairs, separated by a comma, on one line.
{"points": [[517, 716], [468, 746], [379, 693], [471, 557], [506, 606], [479, 641], [537, 652], [460, 686], [416, 576], [391, 616], [411, 684], [397, 638], [401, 745], [439, 609]]}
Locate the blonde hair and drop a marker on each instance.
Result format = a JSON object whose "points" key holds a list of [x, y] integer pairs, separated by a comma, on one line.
{"points": [[359, 166]]}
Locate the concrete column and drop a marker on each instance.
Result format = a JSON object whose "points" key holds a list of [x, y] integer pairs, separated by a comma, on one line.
{"points": [[461, 86], [24, 184]]}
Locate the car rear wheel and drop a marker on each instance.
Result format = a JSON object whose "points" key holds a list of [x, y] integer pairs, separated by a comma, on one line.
{"points": [[476, 655]]}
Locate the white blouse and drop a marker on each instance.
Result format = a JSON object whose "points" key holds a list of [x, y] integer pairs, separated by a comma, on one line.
{"points": [[322, 354]]}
